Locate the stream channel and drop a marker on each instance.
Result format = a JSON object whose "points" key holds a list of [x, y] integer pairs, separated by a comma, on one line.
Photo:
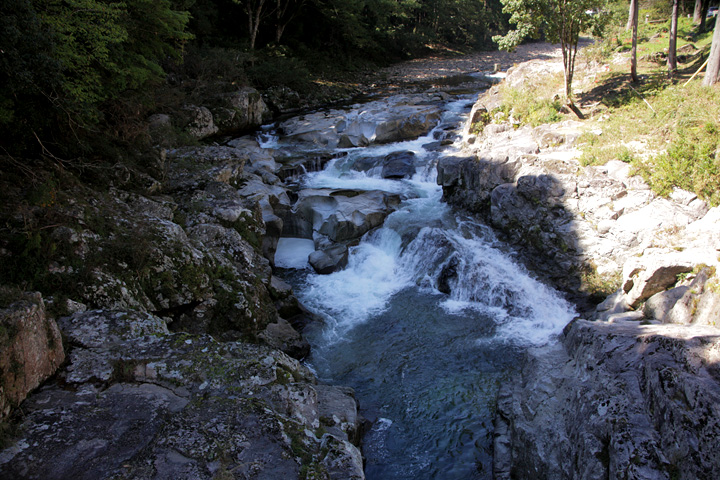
{"points": [[426, 366]]}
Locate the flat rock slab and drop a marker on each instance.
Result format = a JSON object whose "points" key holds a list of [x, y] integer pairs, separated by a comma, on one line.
{"points": [[179, 406]]}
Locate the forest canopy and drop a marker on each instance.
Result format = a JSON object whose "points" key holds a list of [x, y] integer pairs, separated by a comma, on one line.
{"points": [[66, 64], [70, 67]]}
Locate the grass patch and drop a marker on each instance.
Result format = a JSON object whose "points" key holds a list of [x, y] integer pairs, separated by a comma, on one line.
{"points": [[599, 286], [681, 124], [534, 104], [666, 130]]}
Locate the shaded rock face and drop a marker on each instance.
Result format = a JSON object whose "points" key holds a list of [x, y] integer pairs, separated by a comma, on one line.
{"points": [[31, 350], [139, 402], [616, 400], [398, 165], [226, 114]]}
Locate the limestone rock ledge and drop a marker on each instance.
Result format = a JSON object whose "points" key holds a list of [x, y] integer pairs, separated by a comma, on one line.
{"points": [[571, 221], [614, 400], [136, 401]]}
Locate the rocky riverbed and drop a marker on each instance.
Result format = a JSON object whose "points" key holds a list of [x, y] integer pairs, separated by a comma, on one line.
{"points": [[173, 350]]}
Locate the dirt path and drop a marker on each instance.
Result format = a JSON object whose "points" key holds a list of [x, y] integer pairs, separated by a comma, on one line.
{"points": [[442, 66]]}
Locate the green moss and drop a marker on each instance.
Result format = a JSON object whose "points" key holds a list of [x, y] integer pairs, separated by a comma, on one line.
{"points": [[314, 471], [124, 370], [298, 442], [597, 285]]}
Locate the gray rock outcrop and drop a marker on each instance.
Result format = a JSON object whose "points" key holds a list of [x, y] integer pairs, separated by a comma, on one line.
{"points": [[528, 183], [139, 402], [396, 118], [633, 394], [615, 400]]}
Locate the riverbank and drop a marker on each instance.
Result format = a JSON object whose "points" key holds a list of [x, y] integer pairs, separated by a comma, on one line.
{"points": [[633, 391]]}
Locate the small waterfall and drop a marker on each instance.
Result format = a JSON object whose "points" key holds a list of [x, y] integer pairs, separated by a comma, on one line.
{"points": [[428, 317]]}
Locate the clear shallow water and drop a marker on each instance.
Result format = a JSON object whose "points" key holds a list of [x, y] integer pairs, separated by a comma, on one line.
{"points": [[425, 365]]}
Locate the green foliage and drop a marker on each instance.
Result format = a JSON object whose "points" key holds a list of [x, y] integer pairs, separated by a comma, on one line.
{"points": [[277, 68], [106, 48], [28, 70], [600, 156], [535, 103], [63, 61], [530, 109], [671, 123], [557, 20], [691, 162]]}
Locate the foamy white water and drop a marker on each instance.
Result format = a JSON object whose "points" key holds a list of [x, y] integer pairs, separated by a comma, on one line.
{"points": [[424, 244]]}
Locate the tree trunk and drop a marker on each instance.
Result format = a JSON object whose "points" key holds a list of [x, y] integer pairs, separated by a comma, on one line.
{"points": [[254, 10], [702, 23], [713, 67], [569, 52], [698, 12], [632, 17], [285, 12], [633, 57], [672, 48]]}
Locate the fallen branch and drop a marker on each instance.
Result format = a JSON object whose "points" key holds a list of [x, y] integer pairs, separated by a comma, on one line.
{"points": [[698, 71], [643, 98]]}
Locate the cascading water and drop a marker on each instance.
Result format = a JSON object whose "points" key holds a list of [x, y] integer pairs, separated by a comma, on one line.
{"points": [[427, 319]]}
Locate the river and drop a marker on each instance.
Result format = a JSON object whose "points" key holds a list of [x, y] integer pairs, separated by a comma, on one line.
{"points": [[425, 365]]}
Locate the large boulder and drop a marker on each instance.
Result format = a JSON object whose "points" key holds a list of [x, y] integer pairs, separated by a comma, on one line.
{"points": [[398, 165], [616, 400], [344, 215], [198, 122], [239, 111], [329, 260], [31, 350]]}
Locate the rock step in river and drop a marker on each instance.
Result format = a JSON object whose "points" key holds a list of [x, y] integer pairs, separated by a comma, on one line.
{"points": [[424, 311]]}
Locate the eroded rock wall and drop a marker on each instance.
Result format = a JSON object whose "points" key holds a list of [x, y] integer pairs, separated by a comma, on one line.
{"points": [[633, 393]]}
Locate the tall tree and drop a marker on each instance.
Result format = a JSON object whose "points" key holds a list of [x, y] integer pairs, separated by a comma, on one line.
{"points": [[632, 15], [285, 12], [713, 68], [672, 47], [256, 11], [699, 13], [634, 8], [561, 21]]}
